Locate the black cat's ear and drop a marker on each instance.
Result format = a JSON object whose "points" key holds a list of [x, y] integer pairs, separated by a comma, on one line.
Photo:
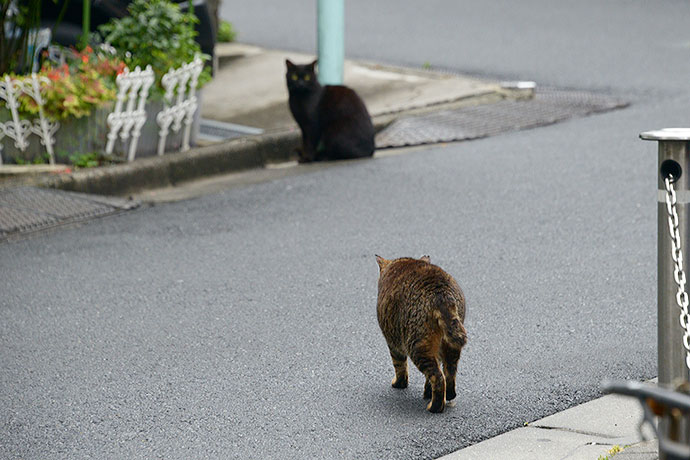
{"points": [[382, 262], [426, 259], [289, 64], [313, 65]]}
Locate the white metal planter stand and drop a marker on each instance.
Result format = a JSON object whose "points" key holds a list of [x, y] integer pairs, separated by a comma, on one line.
{"points": [[185, 80], [20, 129], [134, 88], [42, 127], [15, 128], [126, 120]]}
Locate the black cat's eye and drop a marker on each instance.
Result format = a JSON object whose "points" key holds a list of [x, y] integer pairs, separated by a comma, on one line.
{"points": [[294, 77], [307, 77]]}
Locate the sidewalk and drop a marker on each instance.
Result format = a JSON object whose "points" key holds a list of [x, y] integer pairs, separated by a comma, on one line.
{"points": [[249, 88], [585, 432]]}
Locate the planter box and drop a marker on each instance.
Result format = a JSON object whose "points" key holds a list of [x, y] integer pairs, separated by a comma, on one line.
{"points": [[75, 135], [148, 141], [90, 134]]}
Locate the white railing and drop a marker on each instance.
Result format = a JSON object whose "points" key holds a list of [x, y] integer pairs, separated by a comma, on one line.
{"points": [[19, 129], [132, 87], [185, 79], [125, 121]]}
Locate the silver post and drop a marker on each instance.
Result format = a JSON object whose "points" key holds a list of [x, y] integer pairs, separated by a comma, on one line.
{"points": [[674, 160]]}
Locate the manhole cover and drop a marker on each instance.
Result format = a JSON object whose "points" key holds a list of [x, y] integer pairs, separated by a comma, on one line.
{"points": [[27, 209], [548, 106]]}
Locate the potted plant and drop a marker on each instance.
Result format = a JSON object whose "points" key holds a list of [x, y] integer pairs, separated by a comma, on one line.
{"points": [[79, 95], [82, 89], [156, 33]]}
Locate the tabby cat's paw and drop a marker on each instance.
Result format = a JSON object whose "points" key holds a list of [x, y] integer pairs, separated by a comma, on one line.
{"points": [[436, 408], [399, 383]]}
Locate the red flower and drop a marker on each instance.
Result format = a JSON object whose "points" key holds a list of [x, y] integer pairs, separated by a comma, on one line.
{"points": [[54, 75]]}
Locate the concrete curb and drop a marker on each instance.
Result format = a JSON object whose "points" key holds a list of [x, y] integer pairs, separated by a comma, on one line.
{"points": [[170, 169], [173, 168]]}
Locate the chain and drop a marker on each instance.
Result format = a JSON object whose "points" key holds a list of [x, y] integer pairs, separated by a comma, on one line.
{"points": [[678, 273]]}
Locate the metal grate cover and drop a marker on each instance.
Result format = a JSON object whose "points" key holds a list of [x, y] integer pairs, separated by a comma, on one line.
{"points": [[215, 131], [27, 209], [547, 107]]}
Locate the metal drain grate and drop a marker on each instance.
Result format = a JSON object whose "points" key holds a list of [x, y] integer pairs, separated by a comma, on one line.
{"points": [[27, 209], [215, 131], [548, 106]]}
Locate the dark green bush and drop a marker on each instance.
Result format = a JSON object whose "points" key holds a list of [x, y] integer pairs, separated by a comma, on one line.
{"points": [[156, 33], [226, 33]]}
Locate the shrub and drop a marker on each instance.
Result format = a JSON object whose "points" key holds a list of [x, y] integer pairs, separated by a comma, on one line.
{"points": [[17, 21], [156, 33], [226, 33]]}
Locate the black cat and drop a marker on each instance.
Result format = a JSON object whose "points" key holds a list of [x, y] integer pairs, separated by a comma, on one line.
{"points": [[334, 121]]}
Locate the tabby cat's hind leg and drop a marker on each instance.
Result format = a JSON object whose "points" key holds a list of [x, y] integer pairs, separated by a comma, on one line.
{"points": [[400, 365], [424, 357], [450, 356], [427, 389]]}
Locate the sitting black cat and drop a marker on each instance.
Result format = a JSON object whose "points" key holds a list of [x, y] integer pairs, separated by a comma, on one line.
{"points": [[334, 121]]}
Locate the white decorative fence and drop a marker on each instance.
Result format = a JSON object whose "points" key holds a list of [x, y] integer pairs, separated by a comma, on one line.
{"points": [[185, 79], [133, 87], [18, 128], [125, 121]]}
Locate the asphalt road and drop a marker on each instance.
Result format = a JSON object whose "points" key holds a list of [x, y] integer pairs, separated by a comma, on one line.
{"points": [[242, 324]]}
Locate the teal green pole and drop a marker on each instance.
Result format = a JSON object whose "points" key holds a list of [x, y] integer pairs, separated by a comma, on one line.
{"points": [[86, 22], [331, 36]]}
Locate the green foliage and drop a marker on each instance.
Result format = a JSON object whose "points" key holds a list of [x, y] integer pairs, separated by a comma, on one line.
{"points": [[17, 21], [613, 451], [90, 160], [86, 81], [226, 32], [39, 160], [156, 33]]}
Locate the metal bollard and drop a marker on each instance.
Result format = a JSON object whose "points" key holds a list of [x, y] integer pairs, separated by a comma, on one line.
{"points": [[674, 158]]}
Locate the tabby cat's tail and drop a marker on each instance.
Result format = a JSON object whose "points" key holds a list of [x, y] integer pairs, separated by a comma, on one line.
{"points": [[454, 331]]}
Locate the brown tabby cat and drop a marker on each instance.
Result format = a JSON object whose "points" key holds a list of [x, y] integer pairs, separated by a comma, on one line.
{"points": [[421, 310]]}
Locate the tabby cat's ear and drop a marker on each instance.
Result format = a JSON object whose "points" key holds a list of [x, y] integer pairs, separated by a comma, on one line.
{"points": [[289, 64], [382, 262], [426, 259]]}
